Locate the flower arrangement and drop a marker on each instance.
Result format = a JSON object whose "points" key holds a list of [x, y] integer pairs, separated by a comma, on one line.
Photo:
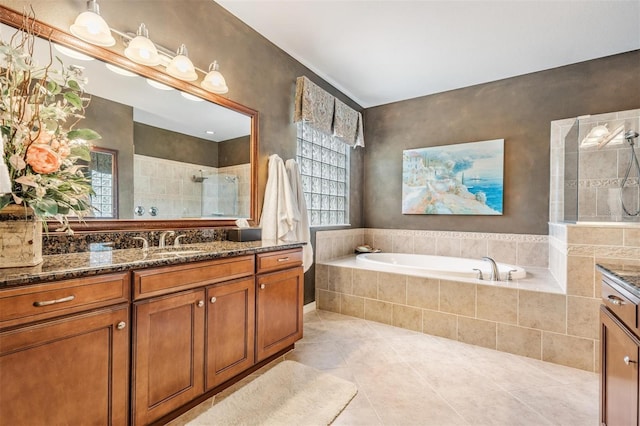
{"points": [[43, 153]]}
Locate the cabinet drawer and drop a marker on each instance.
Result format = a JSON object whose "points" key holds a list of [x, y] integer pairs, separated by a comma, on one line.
{"points": [[34, 303], [279, 260], [620, 305], [158, 281]]}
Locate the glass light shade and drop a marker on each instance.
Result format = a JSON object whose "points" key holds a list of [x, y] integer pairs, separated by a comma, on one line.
{"points": [[90, 27], [142, 50], [120, 71], [214, 81], [72, 53], [158, 85], [181, 66], [190, 97]]}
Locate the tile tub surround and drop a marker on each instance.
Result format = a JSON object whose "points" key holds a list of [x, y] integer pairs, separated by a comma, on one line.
{"points": [[543, 325], [516, 249]]}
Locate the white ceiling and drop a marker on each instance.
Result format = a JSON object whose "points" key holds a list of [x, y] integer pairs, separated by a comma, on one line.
{"points": [[377, 52]]}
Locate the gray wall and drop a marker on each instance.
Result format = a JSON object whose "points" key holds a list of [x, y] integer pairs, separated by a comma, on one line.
{"points": [[162, 143], [518, 110], [113, 121], [233, 152]]}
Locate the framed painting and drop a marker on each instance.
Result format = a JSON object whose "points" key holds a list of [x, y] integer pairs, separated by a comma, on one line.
{"points": [[461, 179]]}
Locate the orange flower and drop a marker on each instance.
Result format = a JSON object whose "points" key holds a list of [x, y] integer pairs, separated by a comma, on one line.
{"points": [[43, 159]]}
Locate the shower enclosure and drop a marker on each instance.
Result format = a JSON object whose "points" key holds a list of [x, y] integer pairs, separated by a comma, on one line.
{"points": [[595, 168], [220, 195]]}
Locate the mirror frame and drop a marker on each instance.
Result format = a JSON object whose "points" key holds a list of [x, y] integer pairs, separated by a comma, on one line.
{"points": [[116, 57]]}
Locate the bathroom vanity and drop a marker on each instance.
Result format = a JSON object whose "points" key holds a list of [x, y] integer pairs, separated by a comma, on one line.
{"points": [[620, 345], [133, 336]]}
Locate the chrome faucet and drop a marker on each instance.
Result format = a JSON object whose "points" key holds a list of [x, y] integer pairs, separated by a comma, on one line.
{"points": [[163, 237], [495, 273]]}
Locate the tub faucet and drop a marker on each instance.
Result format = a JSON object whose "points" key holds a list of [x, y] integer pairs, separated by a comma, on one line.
{"points": [[495, 274], [163, 236]]}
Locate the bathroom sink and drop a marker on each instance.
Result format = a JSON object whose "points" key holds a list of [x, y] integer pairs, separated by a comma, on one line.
{"points": [[177, 253]]}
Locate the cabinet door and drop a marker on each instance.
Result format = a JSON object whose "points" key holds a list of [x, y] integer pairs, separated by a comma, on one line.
{"points": [[279, 299], [230, 330], [619, 372], [68, 371], [168, 345]]}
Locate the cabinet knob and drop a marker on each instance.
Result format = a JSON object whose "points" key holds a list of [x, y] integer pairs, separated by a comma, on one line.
{"points": [[628, 360], [262, 286], [121, 325], [213, 300], [200, 303]]}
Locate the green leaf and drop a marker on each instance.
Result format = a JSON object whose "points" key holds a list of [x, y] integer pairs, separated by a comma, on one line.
{"points": [[47, 206], [5, 200], [86, 134], [82, 152], [73, 85], [53, 87], [73, 99]]}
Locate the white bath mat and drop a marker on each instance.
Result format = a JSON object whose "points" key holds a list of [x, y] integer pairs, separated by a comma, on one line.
{"points": [[289, 394]]}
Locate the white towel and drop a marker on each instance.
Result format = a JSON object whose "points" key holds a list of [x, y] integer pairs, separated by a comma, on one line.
{"points": [[280, 214], [302, 231]]}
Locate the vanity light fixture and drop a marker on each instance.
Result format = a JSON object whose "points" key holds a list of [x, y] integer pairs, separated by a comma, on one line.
{"points": [[181, 66], [142, 50], [158, 85], [91, 27], [120, 71], [139, 48], [214, 81]]}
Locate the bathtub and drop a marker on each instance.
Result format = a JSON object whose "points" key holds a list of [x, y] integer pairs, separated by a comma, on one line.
{"points": [[442, 266]]}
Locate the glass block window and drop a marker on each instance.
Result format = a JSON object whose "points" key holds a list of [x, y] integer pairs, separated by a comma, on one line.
{"points": [[324, 166], [101, 171]]}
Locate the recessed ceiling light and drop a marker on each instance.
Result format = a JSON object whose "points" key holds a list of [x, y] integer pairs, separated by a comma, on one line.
{"points": [[120, 71], [72, 53], [210, 132], [158, 85], [191, 97]]}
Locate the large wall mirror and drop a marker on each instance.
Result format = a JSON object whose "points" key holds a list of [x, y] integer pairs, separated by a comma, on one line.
{"points": [[185, 157]]}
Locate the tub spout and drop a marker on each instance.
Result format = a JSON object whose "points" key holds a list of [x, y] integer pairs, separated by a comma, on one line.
{"points": [[495, 274]]}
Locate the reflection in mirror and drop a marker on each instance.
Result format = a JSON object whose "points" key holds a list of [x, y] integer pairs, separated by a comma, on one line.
{"points": [[186, 157], [103, 171]]}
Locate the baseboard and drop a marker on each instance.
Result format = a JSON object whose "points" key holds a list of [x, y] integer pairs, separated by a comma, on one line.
{"points": [[309, 307]]}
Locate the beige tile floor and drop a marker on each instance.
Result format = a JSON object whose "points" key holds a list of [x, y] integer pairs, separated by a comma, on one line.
{"points": [[409, 378]]}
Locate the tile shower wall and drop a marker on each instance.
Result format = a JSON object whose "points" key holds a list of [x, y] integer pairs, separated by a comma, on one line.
{"points": [[167, 185], [587, 178]]}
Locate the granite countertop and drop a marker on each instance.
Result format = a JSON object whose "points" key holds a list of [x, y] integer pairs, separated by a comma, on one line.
{"points": [[105, 260], [625, 274]]}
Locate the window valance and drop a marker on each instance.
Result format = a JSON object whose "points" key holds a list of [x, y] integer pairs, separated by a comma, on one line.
{"points": [[322, 111]]}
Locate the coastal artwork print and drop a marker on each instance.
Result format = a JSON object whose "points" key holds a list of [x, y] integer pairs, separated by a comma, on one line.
{"points": [[461, 179]]}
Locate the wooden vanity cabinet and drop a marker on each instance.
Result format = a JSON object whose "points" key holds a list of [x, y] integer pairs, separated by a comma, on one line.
{"points": [[619, 357], [168, 354], [279, 300], [73, 367], [187, 342], [230, 330]]}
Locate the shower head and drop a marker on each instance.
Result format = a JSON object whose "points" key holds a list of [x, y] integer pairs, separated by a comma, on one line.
{"points": [[630, 134]]}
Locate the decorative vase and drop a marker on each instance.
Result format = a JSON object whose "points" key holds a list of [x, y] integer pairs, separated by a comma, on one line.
{"points": [[20, 237]]}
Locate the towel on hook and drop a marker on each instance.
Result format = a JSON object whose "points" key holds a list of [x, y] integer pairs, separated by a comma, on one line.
{"points": [[280, 213], [302, 230]]}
